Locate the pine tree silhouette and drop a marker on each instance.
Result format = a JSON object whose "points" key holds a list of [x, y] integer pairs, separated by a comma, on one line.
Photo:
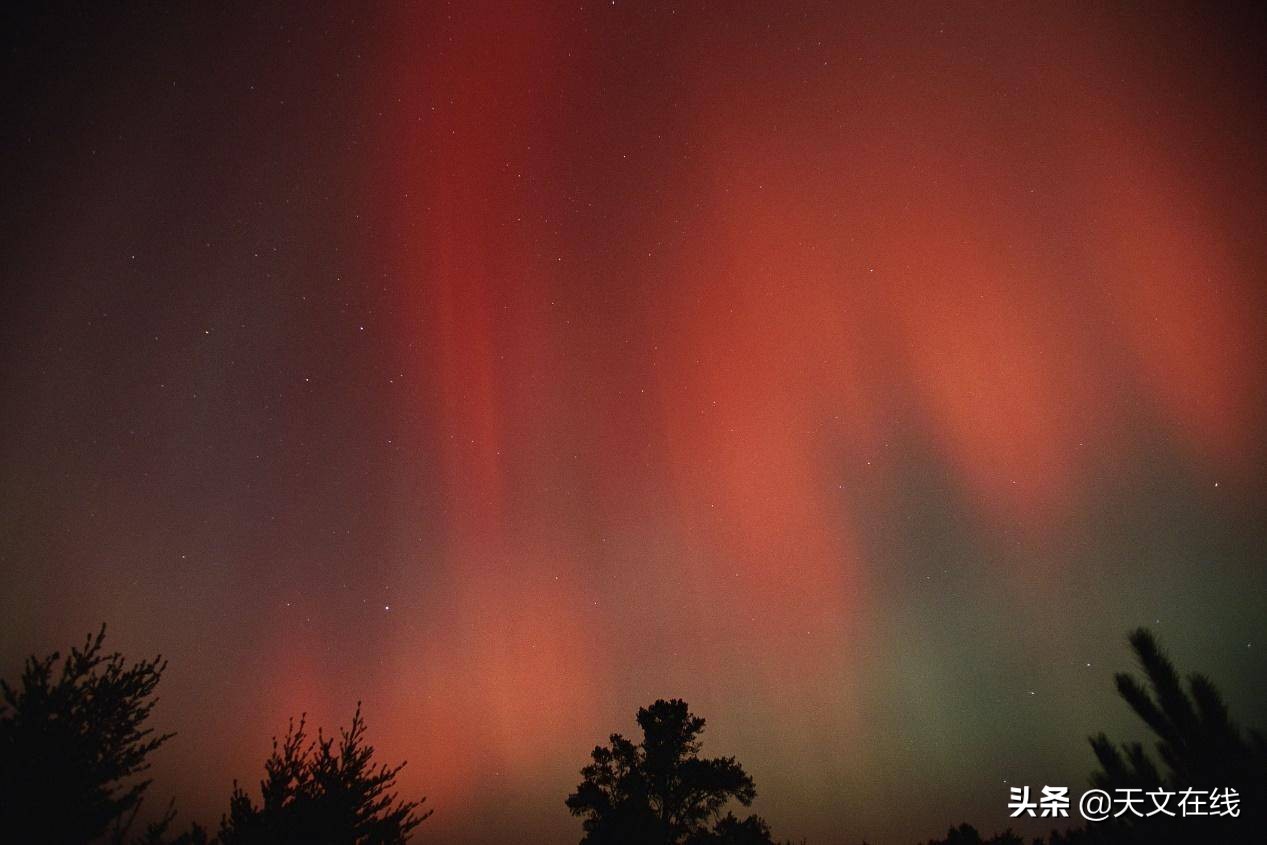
{"points": [[1199, 747], [319, 792], [72, 743]]}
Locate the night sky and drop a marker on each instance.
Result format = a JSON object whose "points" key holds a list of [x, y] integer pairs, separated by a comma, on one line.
{"points": [[860, 375]]}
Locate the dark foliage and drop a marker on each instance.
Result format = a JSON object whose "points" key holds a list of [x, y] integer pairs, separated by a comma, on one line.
{"points": [[966, 834], [323, 792], [1198, 746], [73, 742], [660, 791], [730, 830], [158, 832]]}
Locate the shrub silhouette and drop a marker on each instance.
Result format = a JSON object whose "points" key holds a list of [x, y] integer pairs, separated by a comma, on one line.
{"points": [[966, 834], [320, 792], [660, 791], [72, 743], [730, 830]]}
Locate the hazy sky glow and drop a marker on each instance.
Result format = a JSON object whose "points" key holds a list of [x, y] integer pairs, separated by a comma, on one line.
{"points": [[860, 375]]}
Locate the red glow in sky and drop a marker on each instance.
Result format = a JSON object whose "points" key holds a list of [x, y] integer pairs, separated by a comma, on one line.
{"points": [[786, 360]]}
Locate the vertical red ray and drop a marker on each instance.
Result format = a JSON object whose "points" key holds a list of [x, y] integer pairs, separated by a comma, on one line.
{"points": [[503, 673]]}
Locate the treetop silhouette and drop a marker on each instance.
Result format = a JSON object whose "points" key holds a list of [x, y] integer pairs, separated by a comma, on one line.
{"points": [[1199, 747], [1198, 744], [660, 790], [320, 791], [73, 742]]}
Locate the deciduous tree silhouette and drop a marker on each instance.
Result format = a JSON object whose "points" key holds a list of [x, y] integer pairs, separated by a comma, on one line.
{"points": [[660, 791], [319, 792], [72, 743]]}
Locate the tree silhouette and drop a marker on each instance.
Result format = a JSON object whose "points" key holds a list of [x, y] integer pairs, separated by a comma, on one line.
{"points": [[730, 830], [1199, 747], [320, 792], [966, 834], [660, 791], [157, 832], [72, 742], [1198, 744]]}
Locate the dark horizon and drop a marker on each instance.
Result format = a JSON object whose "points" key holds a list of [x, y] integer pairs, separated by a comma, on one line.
{"points": [[858, 375], [77, 742]]}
